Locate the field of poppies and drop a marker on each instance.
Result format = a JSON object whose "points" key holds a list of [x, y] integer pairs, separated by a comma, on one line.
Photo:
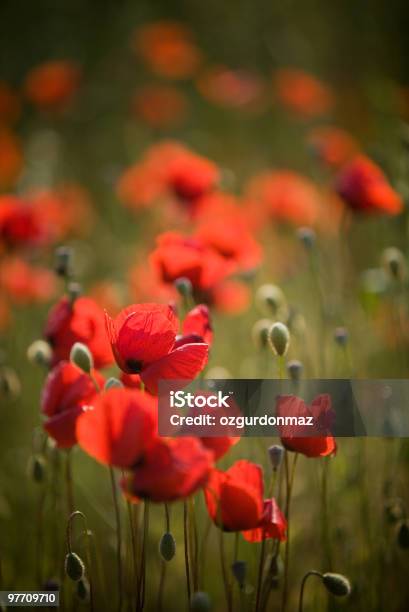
{"points": [[194, 193]]}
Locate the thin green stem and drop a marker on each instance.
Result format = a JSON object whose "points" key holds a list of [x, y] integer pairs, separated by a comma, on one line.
{"points": [[118, 536], [304, 580]]}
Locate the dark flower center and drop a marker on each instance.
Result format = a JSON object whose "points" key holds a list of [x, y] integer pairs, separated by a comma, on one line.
{"points": [[134, 366]]}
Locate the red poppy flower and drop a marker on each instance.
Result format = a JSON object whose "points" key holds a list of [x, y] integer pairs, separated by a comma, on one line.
{"points": [[80, 321], [234, 498], [333, 146], [19, 224], [119, 427], [168, 48], [143, 339], [160, 106], [24, 283], [177, 256], [52, 85], [365, 188], [11, 158], [312, 441], [171, 469], [274, 524], [302, 93], [66, 391], [283, 196], [189, 176], [232, 88], [197, 324]]}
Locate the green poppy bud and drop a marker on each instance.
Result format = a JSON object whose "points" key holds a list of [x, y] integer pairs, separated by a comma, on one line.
{"points": [[307, 236], [239, 569], [74, 291], [276, 454], [10, 385], [63, 261], [294, 369], [39, 353], [271, 299], [81, 356], [36, 468], [279, 338], [74, 566], [113, 383], [341, 336], [403, 535], [184, 286], [394, 263], [337, 584], [259, 333], [167, 546], [83, 589], [200, 602]]}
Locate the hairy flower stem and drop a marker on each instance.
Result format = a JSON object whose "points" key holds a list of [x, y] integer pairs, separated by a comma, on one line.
{"points": [[289, 486], [88, 534], [69, 483], [163, 564], [304, 580], [118, 536], [134, 568], [186, 547], [142, 573], [224, 571], [325, 515]]}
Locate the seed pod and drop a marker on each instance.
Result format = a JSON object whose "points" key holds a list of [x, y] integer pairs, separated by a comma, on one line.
{"points": [[183, 286], [279, 338], [336, 584], [74, 566], [39, 353], [259, 333], [83, 589], [63, 261], [113, 383], [271, 300], [167, 546], [276, 454], [394, 263], [36, 468], [239, 569], [294, 369], [200, 602], [81, 356], [307, 236], [403, 535]]}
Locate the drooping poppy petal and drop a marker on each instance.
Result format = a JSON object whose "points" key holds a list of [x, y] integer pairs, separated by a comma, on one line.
{"points": [[183, 363], [171, 469], [272, 526], [197, 322], [119, 427]]}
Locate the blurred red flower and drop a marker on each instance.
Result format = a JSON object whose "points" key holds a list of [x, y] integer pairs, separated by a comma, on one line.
{"points": [[160, 106], [282, 195], [312, 441], [65, 393], [171, 469], [168, 49], [143, 339], [333, 146], [11, 158], [230, 88], [24, 283], [235, 502], [302, 93], [52, 85], [365, 188], [19, 224], [80, 321], [119, 427]]}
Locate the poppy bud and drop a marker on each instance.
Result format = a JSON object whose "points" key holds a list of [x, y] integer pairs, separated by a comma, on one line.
{"points": [[294, 369], [183, 286], [63, 260], [394, 263], [394, 510], [200, 602], [260, 331], [270, 299], [341, 336], [74, 291], [112, 383], [403, 535], [337, 584], [167, 546], [279, 338], [10, 385], [307, 236], [83, 591], [239, 569], [74, 566], [81, 356], [39, 353], [276, 454], [36, 468]]}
